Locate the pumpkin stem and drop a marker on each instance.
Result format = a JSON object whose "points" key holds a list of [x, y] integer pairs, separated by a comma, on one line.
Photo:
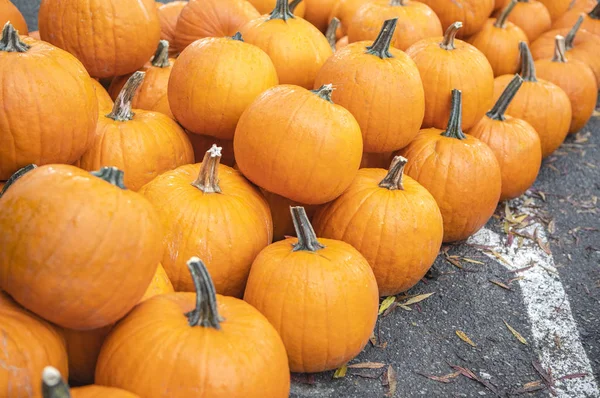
{"points": [[161, 56], [324, 92], [527, 65], [208, 179], [454, 129], [570, 37], [17, 174], [121, 111], [595, 13], [501, 21], [499, 109], [450, 35], [205, 314], [11, 42], [331, 31], [281, 11], [307, 239], [53, 385], [393, 179], [396, 3], [559, 49], [237, 36], [381, 45], [294, 4], [112, 175]]}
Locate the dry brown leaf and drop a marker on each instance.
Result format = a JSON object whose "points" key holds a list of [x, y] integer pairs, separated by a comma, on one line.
{"points": [[340, 372], [442, 379], [515, 333], [418, 299], [462, 335], [367, 365], [472, 261], [498, 283], [499, 257], [392, 381], [386, 304]]}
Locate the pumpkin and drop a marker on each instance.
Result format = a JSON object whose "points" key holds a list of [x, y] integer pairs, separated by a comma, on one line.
{"points": [[556, 8], [10, 13], [532, 17], [28, 344], [95, 233], [62, 111], [375, 160], [296, 47], [591, 21], [583, 5], [4, 185], [110, 37], [371, 79], [447, 63], [163, 106], [515, 143], [391, 220], [499, 41], [344, 10], [168, 14], [449, 164], [472, 13], [539, 102], [320, 294], [105, 103], [283, 225], [266, 6], [343, 42], [224, 347], [575, 78], [314, 159], [317, 12], [416, 21], [211, 18], [53, 386], [202, 143], [207, 73]]}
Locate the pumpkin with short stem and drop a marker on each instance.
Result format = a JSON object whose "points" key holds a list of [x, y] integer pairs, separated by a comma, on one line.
{"points": [[449, 164], [539, 102], [575, 78], [53, 386], [204, 107], [10, 13], [29, 343], [472, 13], [94, 231], [370, 79], [324, 286], [391, 220], [283, 225], [211, 18], [515, 143], [109, 37], [464, 68], [202, 143], [591, 21], [296, 47], [105, 103], [499, 41], [344, 10], [556, 8], [314, 159], [317, 12], [168, 14], [55, 123], [532, 17], [266, 6]]}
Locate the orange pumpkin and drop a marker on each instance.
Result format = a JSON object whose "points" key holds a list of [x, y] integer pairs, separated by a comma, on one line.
{"points": [[55, 123], [532, 17], [472, 13], [202, 143], [314, 159], [110, 37], [225, 348], [447, 63], [204, 78], [317, 12], [266, 6], [10, 13], [105, 103], [556, 8], [168, 14], [515, 143], [344, 10], [449, 164], [391, 220], [499, 41], [583, 5], [591, 21], [53, 386], [4, 185], [370, 79], [539, 102], [283, 225], [416, 21], [163, 106]]}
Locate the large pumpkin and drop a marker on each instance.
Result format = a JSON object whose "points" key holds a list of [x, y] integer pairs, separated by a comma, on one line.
{"points": [[168, 15], [110, 37], [472, 13], [10, 13], [53, 123], [266, 6], [591, 20], [317, 12], [532, 17], [53, 386]]}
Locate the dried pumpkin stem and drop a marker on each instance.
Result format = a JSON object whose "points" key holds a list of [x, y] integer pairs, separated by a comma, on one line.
{"points": [[595, 13], [53, 385], [307, 239], [454, 129], [111, 175], [121, 111], [17, 174], [393, 179], [331, 31], [527, 65], [450, 35], [205, 314], [282, 11], [499, 109], [501, 21], [570, 37], [237, 37], [559, 50], [294, 4], [161, 56], [11, 42], [208, 179], [396, 3], [324, 92], [381, 45]]}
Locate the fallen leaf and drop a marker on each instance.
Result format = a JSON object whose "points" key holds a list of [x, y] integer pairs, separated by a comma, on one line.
{"points": [[340, 372], [392, 381], [502, 285], [404, 307], [386, 304], [465, 338], [473, 261], [573, 376], [499, 257], [532, 386], [442, 379], [367, 365], [515, 333], [542, 372], [418, 299], [467, 373]]}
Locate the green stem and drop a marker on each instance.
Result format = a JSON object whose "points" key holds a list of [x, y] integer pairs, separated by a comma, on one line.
{"points": [[570, 37], [527, 65], [559, 49], [112, 175], [294, 4], [208, 179], [393, 179], [501, 21], [121, 111], [454, 129], [282, 11], [237, 36], [330, 34], [324, 92], [381, 45], [205, 314], [17, 174], [307, 239], [53, 385], [499, 109], [11, 42], [595, 13], [161, 56], [450, 35]]}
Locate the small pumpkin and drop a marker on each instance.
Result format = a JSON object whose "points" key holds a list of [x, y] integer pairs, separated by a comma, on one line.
{"points": [[320, 294], [312, 161], [168, 14], [317, 12], [283, 225], [472, 13], [449, 164], [532, 17], [371, 78], [591, 20], [53, 386], [266, 6], [556, 8], [515, 143], [344, 10], [105, 103], [447, 63], [10, 13], [202, 143]]}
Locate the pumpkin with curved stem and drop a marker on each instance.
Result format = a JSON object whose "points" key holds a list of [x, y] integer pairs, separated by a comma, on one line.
{"points": [[591, 20], [266, 6], [464, 68], [321, 145], [202, 143], [532, 17], [448, 164], [283, 225], [203, 107], [391, 220], [10, 13], [344, 10], [324, 286], [499, 41], [515, 143], [317, 12], [331, 33], [575, 78], [472, 13], [109, 37], [168, 14], [42, 131], [105, 103], [539, 102], [556, 8], [53, 386], [370, 79]]}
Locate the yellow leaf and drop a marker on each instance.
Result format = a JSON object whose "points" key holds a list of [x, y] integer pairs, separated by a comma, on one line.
{"points": [[404, 307], [465, 338], [418, 298], [515, 333], [341, 372], [386, 304]]}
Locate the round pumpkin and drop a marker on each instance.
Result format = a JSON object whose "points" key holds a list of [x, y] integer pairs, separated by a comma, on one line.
{"points": [[317, 12], [266, 6], [591, 20], [110, 37], [371, 79], [168, 14], [203, 107], [311, 161], [556, 8], [472, 13], [344, 10], [202, 143], [102, 238], [515, 143], [532, 17], [105, 103], [447, 63], [10, 13], [53, 123], [450, 164], [283, 225], [53, 386]]}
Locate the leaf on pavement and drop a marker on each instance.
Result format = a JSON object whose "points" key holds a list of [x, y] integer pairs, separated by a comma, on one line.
{"points": [[470, 260], [469, 374], [418, 299], [391, 381], [462, 335], [498, 283], [340, 372], [367, 365], [386, 304], [442, 379], [515, 333]]}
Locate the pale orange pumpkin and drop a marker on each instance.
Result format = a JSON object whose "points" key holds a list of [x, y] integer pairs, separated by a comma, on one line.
{"points": [[532, 17], [472, 13]]}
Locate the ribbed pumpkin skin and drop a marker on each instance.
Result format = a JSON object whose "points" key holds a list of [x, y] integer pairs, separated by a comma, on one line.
{"points": [[317, 12], [532, 17], [50, 122], [556, 8], [168, 14], [101, 392], [10, 13], [28, 345], [105, 103], [472, 13], [110, 37], [266, 6]]}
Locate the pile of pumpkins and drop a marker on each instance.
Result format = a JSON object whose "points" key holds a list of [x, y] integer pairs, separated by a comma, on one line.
{"points": [[200, 197]]}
